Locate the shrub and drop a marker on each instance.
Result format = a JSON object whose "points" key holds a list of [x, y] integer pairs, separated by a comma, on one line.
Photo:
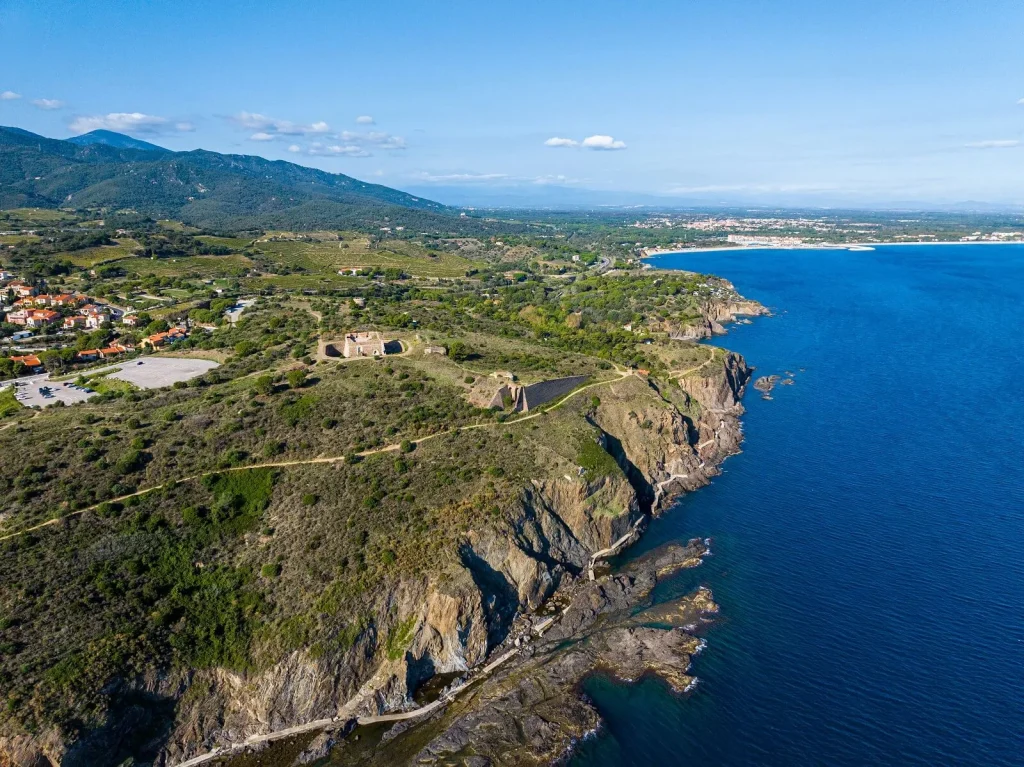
{"points": [[264, 385], [271, 570], [309, 499], [130, 462], [406, 446], [245, 348]]}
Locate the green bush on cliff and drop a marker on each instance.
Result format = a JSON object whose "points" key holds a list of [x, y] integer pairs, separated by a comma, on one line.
{"points": [[595, 460], [399, 638]]}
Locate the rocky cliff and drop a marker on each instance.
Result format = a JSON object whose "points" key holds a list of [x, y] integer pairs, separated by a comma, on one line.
{"points": [[713, 315], [664, 438]]}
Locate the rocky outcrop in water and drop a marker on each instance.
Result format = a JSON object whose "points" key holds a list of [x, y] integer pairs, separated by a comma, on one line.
{"points": [[532, 712]]}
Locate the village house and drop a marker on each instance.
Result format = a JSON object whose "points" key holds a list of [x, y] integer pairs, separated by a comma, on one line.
{"points": [[95, 315], [66, 299], [87, 355], [6, 276], [32, 318], [115, 349], [31, 361], [157, 340], [72, 323], [22, 290], [131, 320], [368, 344]]}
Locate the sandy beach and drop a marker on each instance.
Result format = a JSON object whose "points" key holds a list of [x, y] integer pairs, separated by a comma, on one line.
{"points": [[653, 252]]}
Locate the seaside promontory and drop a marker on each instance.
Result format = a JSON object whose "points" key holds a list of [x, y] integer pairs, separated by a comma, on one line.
{"points": [[327, 584]]}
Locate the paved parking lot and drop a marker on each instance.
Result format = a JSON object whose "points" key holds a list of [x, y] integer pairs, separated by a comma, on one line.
{"points": [[40, 391], [154, 372], [145, 373]]}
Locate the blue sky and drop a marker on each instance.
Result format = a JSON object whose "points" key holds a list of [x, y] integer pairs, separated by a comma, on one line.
{"points": [[786, 101]]}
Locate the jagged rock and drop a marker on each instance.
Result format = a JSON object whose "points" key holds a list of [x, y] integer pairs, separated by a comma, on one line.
{"points": [[531, 713], [317, 749]]}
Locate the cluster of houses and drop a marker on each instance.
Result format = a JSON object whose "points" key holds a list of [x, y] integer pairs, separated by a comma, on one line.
{"points": [[34, 310], [72, 311]]}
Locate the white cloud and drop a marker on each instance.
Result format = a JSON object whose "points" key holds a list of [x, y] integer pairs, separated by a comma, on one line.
{"points": [[993, 144], [603, 143], [9, 96], [376, 138], [364, 120], [48, 103], [126, 122], [337, 150], [295, 148], [262, 124], [184, 127], [441, 178], [553, 179], [561, 142], [1021, 102], [261, 136]]}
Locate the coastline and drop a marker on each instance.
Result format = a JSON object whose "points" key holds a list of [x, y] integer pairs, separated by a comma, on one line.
{"points": [[853, 246]]}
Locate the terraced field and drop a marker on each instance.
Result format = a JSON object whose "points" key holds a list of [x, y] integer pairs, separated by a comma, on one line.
{"points": [[357, 253]]}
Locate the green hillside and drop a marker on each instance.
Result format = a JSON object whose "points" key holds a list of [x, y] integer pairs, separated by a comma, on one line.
{"points": [[205, 189]]}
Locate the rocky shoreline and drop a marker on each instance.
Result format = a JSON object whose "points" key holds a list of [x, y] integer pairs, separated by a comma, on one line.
{"points": [[665, 441], [498, 715]]}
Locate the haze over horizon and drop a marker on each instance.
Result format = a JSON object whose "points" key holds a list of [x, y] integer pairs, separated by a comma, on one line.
{"points": [[736, 103]]}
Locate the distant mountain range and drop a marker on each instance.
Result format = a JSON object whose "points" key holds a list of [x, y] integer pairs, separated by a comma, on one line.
{"points": [[117, 140], [206, 189]]}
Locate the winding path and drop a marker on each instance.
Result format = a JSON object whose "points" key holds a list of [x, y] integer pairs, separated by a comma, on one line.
{"points": [[310, 461]]}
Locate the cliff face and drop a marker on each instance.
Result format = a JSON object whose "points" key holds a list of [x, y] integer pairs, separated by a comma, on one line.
{"points": [[663, 441], [714, 314]]}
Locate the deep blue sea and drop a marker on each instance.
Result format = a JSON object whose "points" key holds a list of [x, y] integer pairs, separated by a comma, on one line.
{"points": [[868, 544]]}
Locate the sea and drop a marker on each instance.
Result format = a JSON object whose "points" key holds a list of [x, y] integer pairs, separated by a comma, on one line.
{"points": [[868, 543]]}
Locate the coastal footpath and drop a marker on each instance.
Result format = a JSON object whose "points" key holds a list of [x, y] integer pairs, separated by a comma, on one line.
{"points": [[517, 581], [659, 437]]}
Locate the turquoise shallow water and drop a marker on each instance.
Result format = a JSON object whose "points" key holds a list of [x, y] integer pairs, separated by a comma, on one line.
{"points": [[869, 541]]}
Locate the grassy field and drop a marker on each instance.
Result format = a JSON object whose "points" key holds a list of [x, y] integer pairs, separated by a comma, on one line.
{"points": [[40, 215], [301, 282], [91, 257], [355, 253], [176, 226], [228, 242], [11, 239], [205, 267]]}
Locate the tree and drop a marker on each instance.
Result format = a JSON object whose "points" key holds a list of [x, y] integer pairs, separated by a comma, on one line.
{"points": [[296, 378], [458, 351]]}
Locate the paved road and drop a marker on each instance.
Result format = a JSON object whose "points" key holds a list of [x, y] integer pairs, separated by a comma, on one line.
{"points": [[236, 311]]}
